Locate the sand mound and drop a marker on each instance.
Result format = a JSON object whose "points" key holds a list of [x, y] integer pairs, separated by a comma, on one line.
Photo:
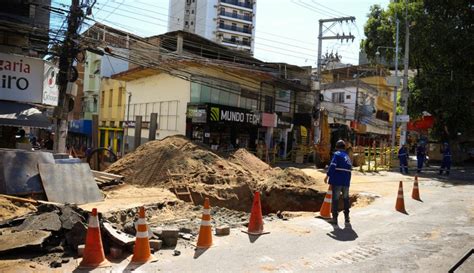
{"points": [[9, 209], [228, 182]]}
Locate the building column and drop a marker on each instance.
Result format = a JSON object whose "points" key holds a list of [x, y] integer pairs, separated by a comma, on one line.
{"points": [[115, 142], [106, 138]]}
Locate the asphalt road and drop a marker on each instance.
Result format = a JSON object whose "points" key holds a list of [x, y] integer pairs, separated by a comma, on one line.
{"points": [[432, 237]]}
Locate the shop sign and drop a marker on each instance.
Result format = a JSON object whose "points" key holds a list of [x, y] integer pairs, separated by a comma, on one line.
{"points": [[26, 79], [197, 115], [268, 120], [283, 98], [283, 122], [219, 113]]}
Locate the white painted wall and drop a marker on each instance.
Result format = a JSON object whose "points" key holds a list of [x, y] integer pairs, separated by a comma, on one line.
{"points": [[176, 11], [160, 88], [349, 104]]}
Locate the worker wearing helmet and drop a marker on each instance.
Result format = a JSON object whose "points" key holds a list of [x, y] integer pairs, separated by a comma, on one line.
{"points": [[339, 176]]}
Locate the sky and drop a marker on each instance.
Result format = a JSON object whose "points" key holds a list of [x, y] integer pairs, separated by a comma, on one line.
{"points": [[286, 30]]}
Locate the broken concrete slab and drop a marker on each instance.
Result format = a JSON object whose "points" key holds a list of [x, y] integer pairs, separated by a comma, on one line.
{"points": [[69, 217], [77, 235], [20, 239], [118, 237], [44, 221]]}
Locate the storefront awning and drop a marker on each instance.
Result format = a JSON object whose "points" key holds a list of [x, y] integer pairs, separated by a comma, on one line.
{"points": [[22, 115]]}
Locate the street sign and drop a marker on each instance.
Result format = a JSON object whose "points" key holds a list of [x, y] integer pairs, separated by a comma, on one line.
{"points": [[403, 118]]}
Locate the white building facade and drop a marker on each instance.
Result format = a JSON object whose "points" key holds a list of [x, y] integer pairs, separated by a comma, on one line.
{"points": [[227, 22]]}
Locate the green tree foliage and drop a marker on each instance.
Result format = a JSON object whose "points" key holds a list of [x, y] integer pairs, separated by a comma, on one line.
{"points": [[441, 51]]}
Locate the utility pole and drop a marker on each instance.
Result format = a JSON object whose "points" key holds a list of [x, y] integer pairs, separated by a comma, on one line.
{"points": [[321, 37], [68, 52], [403, 131], [395, 89]]}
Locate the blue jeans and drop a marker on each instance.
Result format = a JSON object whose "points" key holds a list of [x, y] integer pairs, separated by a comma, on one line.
{"points": [[404, 166], [445, 166], [420, 160], [336, 192]]}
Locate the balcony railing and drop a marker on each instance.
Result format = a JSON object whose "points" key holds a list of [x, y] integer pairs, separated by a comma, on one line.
{"points": [[237, 16], [237, 3], [235, 28], [236, 42]]}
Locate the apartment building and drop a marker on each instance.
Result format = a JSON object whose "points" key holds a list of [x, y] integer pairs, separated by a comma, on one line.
{"points": [[227, 22]]}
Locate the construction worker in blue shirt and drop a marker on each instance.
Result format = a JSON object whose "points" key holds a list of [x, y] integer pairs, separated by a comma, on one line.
{"points": [[403, 157], [446, 164], [339, 175], [420, 156]]}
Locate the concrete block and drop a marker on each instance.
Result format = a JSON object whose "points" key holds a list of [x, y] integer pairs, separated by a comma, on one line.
{"points": [[115, 252], [80, 250], [222, 230], [170, 233], [156, 244], [170, 242]]}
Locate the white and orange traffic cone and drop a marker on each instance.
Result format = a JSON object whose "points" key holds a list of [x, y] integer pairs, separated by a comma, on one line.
{"points": [[94, 251], [400, 205], [205, 231], [141, 250], [415, 194], [325, 210]]}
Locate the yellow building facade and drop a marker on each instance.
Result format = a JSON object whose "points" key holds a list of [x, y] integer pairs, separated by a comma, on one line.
{"points": [[112, 99]]}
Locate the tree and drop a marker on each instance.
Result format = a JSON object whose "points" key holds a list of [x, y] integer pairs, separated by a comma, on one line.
{"points": [[441, 51]]}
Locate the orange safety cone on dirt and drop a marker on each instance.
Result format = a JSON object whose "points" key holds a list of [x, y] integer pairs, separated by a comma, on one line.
{"points": [[93, 251], [141, 250], [400, 205], [205, 231], [325, 210], [256, 220], [415, 194]]}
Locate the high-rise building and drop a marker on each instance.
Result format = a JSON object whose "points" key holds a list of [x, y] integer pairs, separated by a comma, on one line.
{"points": [[228, 22]]}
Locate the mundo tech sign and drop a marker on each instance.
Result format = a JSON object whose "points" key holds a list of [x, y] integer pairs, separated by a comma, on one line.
{"points": [[26, 79], [220, 113]]}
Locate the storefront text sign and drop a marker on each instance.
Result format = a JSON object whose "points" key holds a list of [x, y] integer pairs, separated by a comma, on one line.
{"points": [[231, 114], [27, 79]]}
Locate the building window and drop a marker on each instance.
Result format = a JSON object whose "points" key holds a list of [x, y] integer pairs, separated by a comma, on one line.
{"points": [[120, 95], [112, 123], [187, 11], [222, 11], [246, 41], [246, 29], [221, 23], [234, 13], [186, 23], [338, 97], [192, 11], [268, 104], [103, 99], [233, 39], [192, 23], [348, 97], [111, 92], [234, 26]]}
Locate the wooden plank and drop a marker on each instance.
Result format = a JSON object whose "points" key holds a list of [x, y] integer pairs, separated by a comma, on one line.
{"points": [[111, 175], [69, 183]]}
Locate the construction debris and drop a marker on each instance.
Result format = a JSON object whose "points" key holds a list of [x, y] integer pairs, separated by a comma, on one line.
{"points": [[21, 239], [106, 180]]}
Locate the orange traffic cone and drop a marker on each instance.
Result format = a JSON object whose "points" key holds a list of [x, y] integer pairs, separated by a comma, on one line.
{"points": [[141, 250], [205, 232], [93, 252], [415, 194], [325, 210], [400, 205], [256, 220]]}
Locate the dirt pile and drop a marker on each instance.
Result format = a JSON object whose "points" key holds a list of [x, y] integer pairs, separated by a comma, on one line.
{"points": [[228, 181], [9, 209]]}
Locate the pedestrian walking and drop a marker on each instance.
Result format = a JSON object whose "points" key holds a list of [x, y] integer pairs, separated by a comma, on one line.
{"points": [[403, 157], [420, 156], [339, 176], [446, 164]]}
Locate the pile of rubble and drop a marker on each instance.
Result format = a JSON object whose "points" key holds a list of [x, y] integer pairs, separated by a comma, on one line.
{"points": [[228, 181]]}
